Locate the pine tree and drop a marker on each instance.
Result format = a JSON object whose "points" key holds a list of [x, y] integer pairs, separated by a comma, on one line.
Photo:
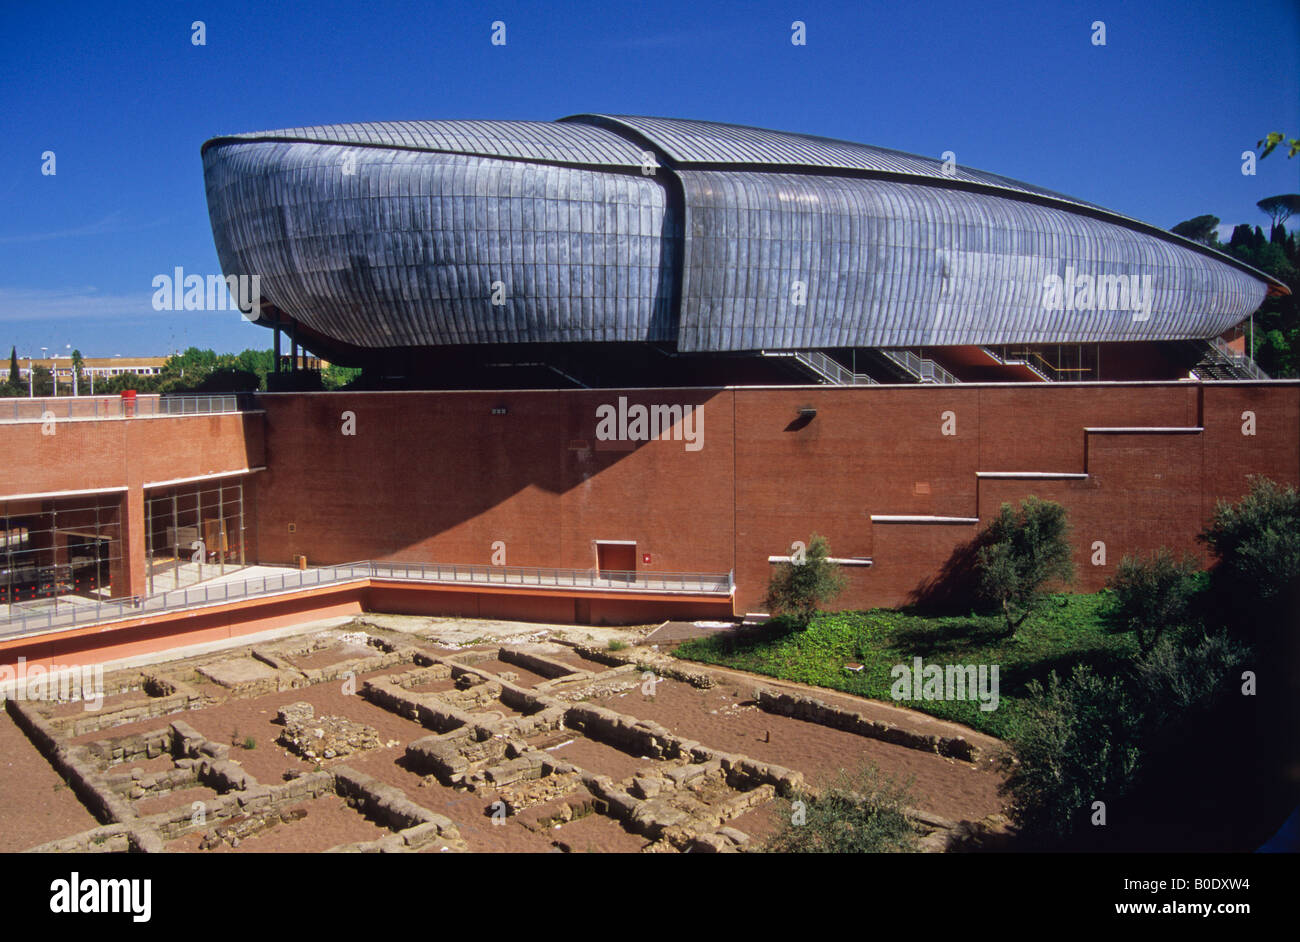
{"points": [[13, 366]]}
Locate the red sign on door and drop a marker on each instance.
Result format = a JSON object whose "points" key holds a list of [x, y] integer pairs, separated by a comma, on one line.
{"points": [[645, 559]]}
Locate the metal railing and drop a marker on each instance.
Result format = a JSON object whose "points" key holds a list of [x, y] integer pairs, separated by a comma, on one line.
{"points": [[543, 577], [823, 366], [1237, 360], [927, 371], [1021, 358], [71, 611], [836, 372], [115, 407]]}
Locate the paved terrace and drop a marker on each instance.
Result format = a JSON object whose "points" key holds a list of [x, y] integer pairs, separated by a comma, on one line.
{"points": [[49, 615]]}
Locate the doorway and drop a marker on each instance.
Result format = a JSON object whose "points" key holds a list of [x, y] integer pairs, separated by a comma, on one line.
{"points": [[616, 560]]}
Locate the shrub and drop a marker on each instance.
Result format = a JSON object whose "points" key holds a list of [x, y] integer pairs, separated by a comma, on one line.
{"points": [[1152, 596], [1257, 542], [1020, 552], [859, 813], [1077, 742], [798, 587], [1179, 683]]}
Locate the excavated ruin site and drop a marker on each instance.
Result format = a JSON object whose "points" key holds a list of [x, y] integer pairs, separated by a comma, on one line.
{"points": [[360, 737]]}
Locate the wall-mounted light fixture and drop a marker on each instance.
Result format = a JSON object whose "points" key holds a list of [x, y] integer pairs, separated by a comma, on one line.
{"points": [[807, 413]]}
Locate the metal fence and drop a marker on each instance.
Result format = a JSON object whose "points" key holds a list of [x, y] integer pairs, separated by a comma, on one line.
{"points": [[453, 573], [72, 611], [116, 407]]}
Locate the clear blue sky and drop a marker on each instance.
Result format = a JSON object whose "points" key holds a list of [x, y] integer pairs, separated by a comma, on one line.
{"points": [[1152, 124]]}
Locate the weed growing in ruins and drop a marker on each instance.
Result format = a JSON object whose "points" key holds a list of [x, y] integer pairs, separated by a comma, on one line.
{"points": [[249, 742], [860, 812], [617, 645]]}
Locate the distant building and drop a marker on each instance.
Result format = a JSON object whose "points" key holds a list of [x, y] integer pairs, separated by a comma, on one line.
{"points": [[99, 367]]}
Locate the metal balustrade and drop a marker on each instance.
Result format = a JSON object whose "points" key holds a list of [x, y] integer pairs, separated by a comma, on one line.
{"points": [[927, 371], [115, 407], [823, 366], [1238, 359], [64, 612]]}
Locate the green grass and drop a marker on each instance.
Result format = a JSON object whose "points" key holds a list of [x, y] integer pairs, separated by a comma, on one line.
{"points": [[1067, 630]]}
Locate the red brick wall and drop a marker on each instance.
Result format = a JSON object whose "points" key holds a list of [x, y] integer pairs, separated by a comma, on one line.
{"points": [[435, 476], [106, 453]]}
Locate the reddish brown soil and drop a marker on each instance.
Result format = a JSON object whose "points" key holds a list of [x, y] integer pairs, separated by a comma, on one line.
{"points": [[434, 686], [328, 657], [329, 822], [944, 786], [601, 759], [597, 834], [185, 797], [527, 678], [117, 700], [578, 662], [35, 804], [469, 810], [759, 823], [162, 763]]}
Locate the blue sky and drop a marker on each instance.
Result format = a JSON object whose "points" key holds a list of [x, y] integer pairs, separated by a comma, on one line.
{"points": [[1152, 125]]}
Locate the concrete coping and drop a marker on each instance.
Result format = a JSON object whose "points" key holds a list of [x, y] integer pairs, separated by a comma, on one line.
{"points": [[1031, 475], [920, 518], [1145, 429]]}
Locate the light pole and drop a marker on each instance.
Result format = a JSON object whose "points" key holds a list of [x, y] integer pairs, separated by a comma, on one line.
{"points": [[43, 356]]}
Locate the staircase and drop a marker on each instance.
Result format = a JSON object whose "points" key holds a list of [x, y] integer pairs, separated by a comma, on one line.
{"points": [[918, 369], [1214, 359], [1013, 360], [826, 370]]}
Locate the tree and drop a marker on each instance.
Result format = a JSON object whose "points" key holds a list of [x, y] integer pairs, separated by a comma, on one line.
{"points": [[1257, 543], [809, 579], [859, 813], [1078, 742], [1020, 552], [1280, 208], [13, 368], [42, 381], [1153, 596], [1203, 229]]}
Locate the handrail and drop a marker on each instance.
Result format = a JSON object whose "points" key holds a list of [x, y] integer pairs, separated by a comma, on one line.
{"points": [[828, 369], [44, 408], [73, 611], [923, 369], [1241, 360]]}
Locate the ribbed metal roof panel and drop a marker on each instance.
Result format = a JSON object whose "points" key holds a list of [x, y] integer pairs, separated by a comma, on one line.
{"points": [[687, 142], [569, 143]]}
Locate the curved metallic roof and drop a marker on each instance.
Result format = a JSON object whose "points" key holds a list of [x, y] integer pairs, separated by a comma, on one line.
{"points": [[686, 142], [394, 234], [517, 140]]}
